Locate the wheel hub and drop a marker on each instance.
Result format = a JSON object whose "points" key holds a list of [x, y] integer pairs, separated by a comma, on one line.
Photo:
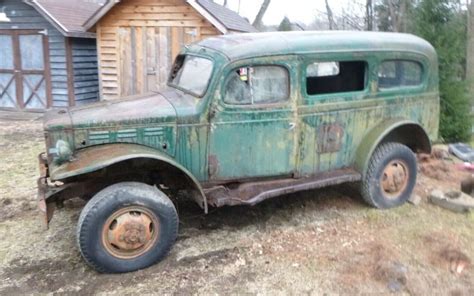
{"points": [[394, 178], [130, 232]]}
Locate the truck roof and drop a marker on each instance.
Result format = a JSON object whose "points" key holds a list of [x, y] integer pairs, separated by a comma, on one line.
{"points": [[238, 46]]}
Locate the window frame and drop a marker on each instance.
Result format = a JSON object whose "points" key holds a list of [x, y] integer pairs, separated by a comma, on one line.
{"points": [[321, 58], [211, 77], [400, 88], [245, 63]]}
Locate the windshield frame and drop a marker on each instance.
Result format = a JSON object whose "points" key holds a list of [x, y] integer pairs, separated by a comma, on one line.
{"points": [[204, 92]]}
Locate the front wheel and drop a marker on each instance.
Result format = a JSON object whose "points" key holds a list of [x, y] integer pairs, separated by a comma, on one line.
{"points": [[390, 176], [126, 227]]}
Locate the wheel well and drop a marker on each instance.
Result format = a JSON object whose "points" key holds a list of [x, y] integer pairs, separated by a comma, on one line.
{"points": [[165, 176], [411, 135]]}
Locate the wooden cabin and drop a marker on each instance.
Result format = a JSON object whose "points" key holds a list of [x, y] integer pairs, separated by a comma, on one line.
{"points": [[137, 40], [47, 59]]}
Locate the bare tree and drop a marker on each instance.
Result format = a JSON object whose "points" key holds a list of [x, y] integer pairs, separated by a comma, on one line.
{"points": [[257, 23], [393, 15], [369, 8], [397, 11], [332, 24]]}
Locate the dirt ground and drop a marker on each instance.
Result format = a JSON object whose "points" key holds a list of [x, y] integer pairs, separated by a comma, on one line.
{"points": [[319, 242]]}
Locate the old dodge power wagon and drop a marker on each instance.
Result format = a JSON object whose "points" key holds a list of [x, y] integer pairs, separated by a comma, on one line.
{"points": [[244, 118]]}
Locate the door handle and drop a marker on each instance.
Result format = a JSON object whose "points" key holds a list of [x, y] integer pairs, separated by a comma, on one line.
{"points": [[292, 125]]}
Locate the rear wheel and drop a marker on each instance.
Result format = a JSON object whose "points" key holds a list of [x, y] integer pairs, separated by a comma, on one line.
{"points": [[126, 227], [390, 176]]}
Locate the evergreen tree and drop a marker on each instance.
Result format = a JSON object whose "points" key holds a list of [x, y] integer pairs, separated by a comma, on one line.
{"points": [[439, 22], [285, 25]]}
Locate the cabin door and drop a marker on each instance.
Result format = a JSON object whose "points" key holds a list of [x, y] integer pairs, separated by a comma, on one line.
{"points": [[24, 71]]}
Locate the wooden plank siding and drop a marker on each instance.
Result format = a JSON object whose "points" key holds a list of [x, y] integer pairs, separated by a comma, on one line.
{"points": [[26, 17], [84, 64], [138, 41], [85, 73]]}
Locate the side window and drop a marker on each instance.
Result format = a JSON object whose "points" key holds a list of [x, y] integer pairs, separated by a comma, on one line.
{"points": [[335, 77], [398, 73], [257, 85]]}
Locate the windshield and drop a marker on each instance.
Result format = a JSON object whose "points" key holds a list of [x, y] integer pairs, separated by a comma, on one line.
{"points": [[191, 74]]}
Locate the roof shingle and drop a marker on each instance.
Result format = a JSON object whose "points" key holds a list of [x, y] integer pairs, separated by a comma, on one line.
{"points": [[69, 15], [229, 18], [74, 17]]}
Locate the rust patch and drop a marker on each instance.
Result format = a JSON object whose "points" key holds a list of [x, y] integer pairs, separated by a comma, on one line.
{"points": [[330, 138], [213, 165], [252, 193]]}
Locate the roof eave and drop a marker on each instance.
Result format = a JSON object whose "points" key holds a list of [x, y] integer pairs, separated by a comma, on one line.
{"points": [[40, 9], [92, 21], [208, 16], [81, 35]]}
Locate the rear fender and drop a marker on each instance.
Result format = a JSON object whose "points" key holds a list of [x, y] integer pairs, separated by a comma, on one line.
{"points": [[402, 131]]}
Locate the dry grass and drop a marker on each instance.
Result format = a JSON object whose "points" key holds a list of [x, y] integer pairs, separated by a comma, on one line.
{"points": [[324, 241]]}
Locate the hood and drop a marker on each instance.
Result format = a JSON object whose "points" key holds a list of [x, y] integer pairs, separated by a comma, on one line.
{"points": [[149, 109]]}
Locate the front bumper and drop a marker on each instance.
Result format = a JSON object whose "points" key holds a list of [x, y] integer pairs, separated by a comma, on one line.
{"points": [[44, 190]]}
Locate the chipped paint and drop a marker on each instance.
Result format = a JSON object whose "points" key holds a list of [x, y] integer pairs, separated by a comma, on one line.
{"points": [[304, 136]]}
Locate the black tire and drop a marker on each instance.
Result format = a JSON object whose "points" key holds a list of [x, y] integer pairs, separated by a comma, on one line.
{"points": [[113, 199], [385, 155]]}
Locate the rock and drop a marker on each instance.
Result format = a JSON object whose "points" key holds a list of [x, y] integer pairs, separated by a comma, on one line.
{"points": [[395, 286], [455, 201], [438, 194], [394, 274], [415, 199]]}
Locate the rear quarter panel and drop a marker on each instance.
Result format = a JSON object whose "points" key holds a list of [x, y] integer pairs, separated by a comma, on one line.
{"points": [[356, 114]]}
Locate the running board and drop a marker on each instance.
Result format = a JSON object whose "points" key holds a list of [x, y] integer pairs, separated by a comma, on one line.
{"points": [[252, 193]]}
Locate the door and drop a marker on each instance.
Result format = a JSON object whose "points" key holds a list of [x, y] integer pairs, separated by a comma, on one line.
{"points": [[252, 126], [147, 55], [24, 70], [336, 114]]}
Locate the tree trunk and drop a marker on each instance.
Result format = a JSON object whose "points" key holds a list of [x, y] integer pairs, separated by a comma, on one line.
{"points": [[332, 25], [393, 16], [257, 23], [369, 15], [470, 49], [401, 21]]}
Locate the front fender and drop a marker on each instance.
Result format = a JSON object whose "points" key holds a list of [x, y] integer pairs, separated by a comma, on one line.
{"points": [[377, 135], [94, 158]]}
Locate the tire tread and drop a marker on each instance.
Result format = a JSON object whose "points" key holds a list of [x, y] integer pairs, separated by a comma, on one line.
{"points": [[375, 160], [92, 207]]}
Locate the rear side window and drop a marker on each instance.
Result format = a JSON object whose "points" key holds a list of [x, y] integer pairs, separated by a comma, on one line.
{"points": [[335, 77], [257, 85], [399, 73]]}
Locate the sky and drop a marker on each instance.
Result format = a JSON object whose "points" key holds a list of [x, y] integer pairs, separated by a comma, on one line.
{"points": [[296, 10]]}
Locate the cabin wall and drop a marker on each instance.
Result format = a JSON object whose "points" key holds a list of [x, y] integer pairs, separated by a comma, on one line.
{"points": [[23, 16], [138, 41], [84, 68]]}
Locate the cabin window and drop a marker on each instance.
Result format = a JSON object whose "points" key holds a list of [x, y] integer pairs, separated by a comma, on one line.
{"points": [[335, 77], [398, 73], [257, 85], [191, 74]]}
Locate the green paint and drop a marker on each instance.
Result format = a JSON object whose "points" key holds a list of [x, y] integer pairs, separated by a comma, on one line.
{"points": [[283, 139]]}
